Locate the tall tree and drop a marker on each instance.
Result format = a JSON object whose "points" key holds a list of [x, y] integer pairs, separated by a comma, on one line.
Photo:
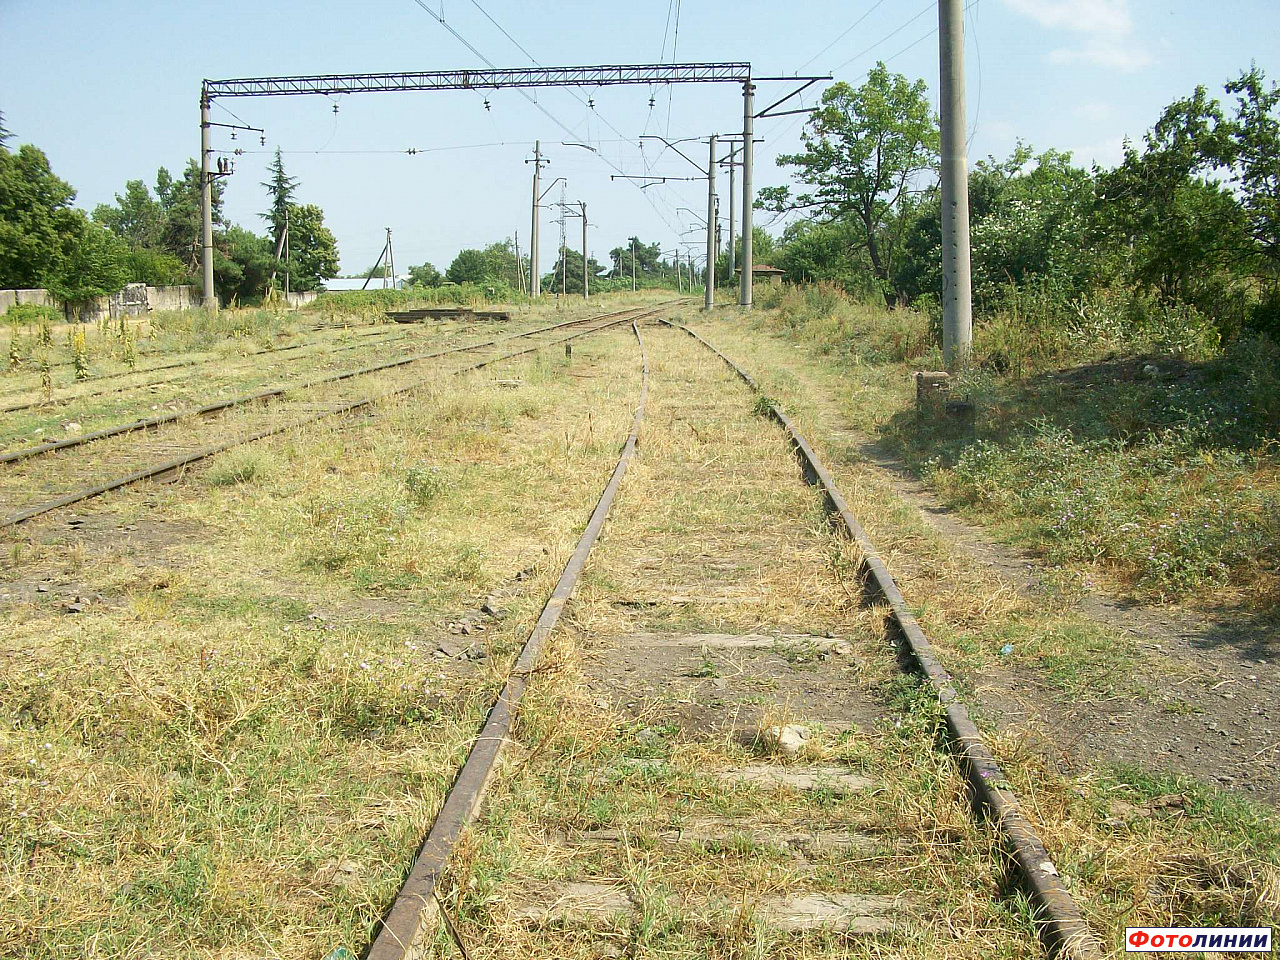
{"points": [[866, 149], [281, 189], [180, 204], [569, 268], [313, 253], [38, 227], [97, 264], [1253, 152], [424, 275], [136, 217]]}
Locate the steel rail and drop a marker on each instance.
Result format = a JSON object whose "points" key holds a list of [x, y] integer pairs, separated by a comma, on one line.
{"points": [[204, 452], [408, 921], [1061, 924], [193, 365], [151, 423]]}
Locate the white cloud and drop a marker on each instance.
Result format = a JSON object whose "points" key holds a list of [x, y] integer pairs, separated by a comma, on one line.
{"points": [[1105, 153], [1105, 29]]}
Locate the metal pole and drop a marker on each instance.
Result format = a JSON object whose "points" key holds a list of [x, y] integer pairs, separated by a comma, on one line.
{"points": [[535, 283], [709, 297], [519, 264], [210, 298], [733, 215], [392, 257], [957, 289], [586, 292], [748, 134]]}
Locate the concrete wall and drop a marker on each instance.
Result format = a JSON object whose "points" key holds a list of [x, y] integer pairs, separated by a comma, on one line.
{"points": [[135, 299], [11, 298], [296, 300]]}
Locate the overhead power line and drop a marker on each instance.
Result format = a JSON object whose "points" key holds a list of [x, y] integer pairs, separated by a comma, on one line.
{"points": [[848, 31], [888, 36]]}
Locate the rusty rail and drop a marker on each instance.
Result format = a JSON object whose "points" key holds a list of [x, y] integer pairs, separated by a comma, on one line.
{"points": [[1062, 926], [204, 452], [408, 922]]}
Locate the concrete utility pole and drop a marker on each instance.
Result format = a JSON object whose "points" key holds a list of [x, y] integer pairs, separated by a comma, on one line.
{"points": [[586, 292], [633, 264], [535, 285], [709, 297], [210, 298], [957, 284], [391, 261], [733, 214], [519, 263], [748, 151]]}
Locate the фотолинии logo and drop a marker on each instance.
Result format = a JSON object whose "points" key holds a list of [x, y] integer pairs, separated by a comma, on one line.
{"points": [[1198, 939]]}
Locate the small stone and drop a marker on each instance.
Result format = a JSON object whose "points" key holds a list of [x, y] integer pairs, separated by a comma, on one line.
{"points": [[42, 588], [787, 740], [75, 607], [71, 426]]}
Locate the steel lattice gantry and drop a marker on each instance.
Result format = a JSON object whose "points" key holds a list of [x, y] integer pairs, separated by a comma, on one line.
{"points": [[486, 79], [480, 79]]}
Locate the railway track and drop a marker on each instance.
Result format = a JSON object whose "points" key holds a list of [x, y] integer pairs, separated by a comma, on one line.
{"points": [[269, 393], [42, 479], [192, 368], [714, 840]]}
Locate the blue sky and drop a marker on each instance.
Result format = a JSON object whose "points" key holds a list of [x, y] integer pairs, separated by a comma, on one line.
{"points": [[110, 91]]}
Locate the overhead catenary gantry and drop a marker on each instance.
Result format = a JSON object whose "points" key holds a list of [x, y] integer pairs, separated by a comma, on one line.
{"points": [[486, 79]]}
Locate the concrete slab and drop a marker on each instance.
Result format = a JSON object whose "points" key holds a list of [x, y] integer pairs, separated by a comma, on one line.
{"points": [[729, 641], [574, 901], [767, 777], [812, 841], [864, 914]]}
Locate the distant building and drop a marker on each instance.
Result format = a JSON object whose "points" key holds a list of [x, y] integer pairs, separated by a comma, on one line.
{"points": [[762, 271], [356, 283]]}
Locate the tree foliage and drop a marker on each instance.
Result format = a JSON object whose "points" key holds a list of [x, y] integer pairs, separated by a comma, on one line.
{"points": [[865, 150], [96, 264], [38, 227], [425, 275], [567, 273], [313, 252], [281, 189]]}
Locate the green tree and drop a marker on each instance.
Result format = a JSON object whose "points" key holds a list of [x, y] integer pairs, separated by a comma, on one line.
{"points": [[469, 266], [180, 203], [242, 264], [137, 217], [281, 189], [96, 265], [313, 252], [38, 227], [866, 149], [1252, 150], [156, 268], [425, 275], [648, 257], [570, 267]]}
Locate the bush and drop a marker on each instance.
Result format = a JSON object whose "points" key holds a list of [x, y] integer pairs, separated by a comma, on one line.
{"points": [[33, 316]]}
